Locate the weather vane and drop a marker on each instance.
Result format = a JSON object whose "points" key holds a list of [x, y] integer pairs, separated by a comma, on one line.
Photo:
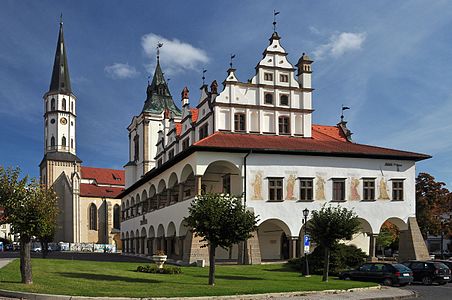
{"points": [[232, 57], [342, 112], [159, 45], [275, 13], [203, 76]]}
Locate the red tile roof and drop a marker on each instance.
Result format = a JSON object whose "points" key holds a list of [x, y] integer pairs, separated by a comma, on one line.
{"points": [[325, 141], [91, 190], [104, 176]]}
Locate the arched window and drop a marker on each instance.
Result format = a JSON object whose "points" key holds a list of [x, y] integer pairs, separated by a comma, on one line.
{"points": [[116, 214], [93, 217], [63, 105], [72, 106], [136, 141], [52, 104], [284, 100], [72, 143], [52, 142], [268, 99], [63, 141]]}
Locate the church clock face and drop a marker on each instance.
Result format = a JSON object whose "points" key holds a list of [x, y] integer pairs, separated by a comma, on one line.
{"points": [[63, 121]]}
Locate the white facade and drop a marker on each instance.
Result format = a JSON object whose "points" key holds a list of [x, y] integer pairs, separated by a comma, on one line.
{"points": [[256, 140]]}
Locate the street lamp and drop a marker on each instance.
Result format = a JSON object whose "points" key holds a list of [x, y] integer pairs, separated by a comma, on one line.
{"points": [[443, 221], [305, 215]]}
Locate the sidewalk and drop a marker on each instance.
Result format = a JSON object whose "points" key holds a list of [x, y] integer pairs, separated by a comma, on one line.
{"points": [[5, 261]]}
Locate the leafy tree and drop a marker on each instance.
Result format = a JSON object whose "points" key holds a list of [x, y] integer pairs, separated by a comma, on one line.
{"points": [[47, 213], [388, 236], [221, 221], [432, 200], [329, 225], [28, 208]]}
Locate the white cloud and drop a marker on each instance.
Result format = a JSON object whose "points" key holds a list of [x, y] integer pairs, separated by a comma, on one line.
{"points": [[339, 44], [176, 55], [121, 71]]}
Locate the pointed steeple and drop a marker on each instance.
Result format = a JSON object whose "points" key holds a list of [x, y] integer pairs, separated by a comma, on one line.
{"points": [[60, 82], [158, 94]]}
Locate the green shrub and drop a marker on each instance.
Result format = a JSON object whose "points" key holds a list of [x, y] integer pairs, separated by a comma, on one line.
{"points": [[342, 257], [165, 270]]}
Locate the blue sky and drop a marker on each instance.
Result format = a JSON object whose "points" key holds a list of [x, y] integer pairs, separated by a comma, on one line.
{"points": [[390, 61]]}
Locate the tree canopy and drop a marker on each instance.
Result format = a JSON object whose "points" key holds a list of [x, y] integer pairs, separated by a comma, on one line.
{"points": [[328, 226], [221, 221]]}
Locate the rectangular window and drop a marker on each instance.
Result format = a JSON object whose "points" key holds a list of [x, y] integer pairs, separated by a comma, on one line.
{"points": [[239, 122], [203, 131], [306, 189], [284, 78], [227, 184], [159, 162], [185, 143], [171, 154], [369, 189], [275, 189], [338, 189], [284, 126], [268, 76], [397, 189]]}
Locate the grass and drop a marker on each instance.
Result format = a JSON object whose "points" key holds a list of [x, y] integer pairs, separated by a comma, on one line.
{"points": [[119, 279]]}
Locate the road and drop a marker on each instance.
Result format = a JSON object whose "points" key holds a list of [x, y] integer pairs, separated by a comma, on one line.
{"points": [[437, 292]]}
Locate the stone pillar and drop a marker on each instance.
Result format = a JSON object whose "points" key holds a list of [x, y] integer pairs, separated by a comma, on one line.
{"points": [[293, 246], [198, 185], [168, 197], [372, 245], [143, 245], [181, 192], [193, 250], [123, 245], [249, 252], [411, 243]]}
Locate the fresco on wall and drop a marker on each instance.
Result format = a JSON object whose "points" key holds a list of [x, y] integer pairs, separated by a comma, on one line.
{"points": [[320, 188], [354, 194], [290, 187], [257, 186], [383, 190]]}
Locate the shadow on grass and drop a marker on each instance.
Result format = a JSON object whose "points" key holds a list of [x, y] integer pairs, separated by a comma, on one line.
{"points": [[283, 269], [103, 277], [231, 277]]}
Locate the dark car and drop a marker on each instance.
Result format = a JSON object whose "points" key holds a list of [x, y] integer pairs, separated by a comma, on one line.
{"points": [[429, 272], [448, 263], [385, 273]]}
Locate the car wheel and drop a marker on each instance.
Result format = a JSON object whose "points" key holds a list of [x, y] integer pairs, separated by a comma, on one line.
{"points": [[427, 280], [387, 281]]}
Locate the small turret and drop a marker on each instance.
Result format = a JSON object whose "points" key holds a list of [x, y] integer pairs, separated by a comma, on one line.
{"points": [[185, 96], [304, 71]]}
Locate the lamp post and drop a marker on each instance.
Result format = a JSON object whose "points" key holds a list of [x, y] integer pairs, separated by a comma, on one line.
{"points": [[305, 215], [442, 238]]}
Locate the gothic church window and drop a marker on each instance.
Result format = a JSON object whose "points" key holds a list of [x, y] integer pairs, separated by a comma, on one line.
{"points": [[52, 142], [92, 217], [72, 106], [52, 104], [268, 98], [136, 143], [116, 214], [72, 143], [63, 141], [63, 104]]}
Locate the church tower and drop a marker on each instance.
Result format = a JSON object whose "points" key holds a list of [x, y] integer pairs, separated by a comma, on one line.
{"points": [[59, 120]]}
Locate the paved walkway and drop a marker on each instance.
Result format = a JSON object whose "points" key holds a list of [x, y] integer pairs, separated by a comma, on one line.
{"points": [[5, 261]]}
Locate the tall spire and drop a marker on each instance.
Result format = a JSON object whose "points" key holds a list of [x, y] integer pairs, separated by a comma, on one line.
{"points": [[60, 81]]}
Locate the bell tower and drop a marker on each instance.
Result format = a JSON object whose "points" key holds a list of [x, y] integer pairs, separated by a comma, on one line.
{"points": [[59, 121]]}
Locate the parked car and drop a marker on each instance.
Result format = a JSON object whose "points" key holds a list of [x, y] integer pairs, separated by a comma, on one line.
{"points": [[429, 272], [385, 273], [448, 263]]}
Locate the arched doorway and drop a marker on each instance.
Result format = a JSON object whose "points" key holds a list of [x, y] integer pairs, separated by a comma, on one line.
{"points": [[274, 237]]}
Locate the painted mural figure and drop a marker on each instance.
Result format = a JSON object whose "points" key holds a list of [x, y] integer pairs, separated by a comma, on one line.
{"points": [[320, 188], [257, 186], [383, 190], [354, 194], [290, 187]]}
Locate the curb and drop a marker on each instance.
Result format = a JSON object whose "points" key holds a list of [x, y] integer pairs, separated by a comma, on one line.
{"points": [[35, 296]]}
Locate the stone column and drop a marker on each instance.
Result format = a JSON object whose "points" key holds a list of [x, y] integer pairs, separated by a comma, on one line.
{"points": [[372, 245], [181, 192], [198, 185], [293, 246]]}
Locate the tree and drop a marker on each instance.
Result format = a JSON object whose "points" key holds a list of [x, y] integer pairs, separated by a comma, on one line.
{"points": [[221, 221], [26, 205], [432, 201], [47, 213], [329, 225], [388, 236]]}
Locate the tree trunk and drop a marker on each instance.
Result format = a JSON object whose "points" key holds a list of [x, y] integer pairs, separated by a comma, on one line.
{"points": [[326, 264], [44, 249], [211, 265], [25, 260]]}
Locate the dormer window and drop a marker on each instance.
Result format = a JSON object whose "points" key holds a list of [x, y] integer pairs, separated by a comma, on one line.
{"points": [[268, 98], [284, 78], [268, 76], [284, 100]]}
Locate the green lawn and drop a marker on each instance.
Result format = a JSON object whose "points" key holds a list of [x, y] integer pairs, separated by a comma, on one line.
{"points": [[88, 278]]}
